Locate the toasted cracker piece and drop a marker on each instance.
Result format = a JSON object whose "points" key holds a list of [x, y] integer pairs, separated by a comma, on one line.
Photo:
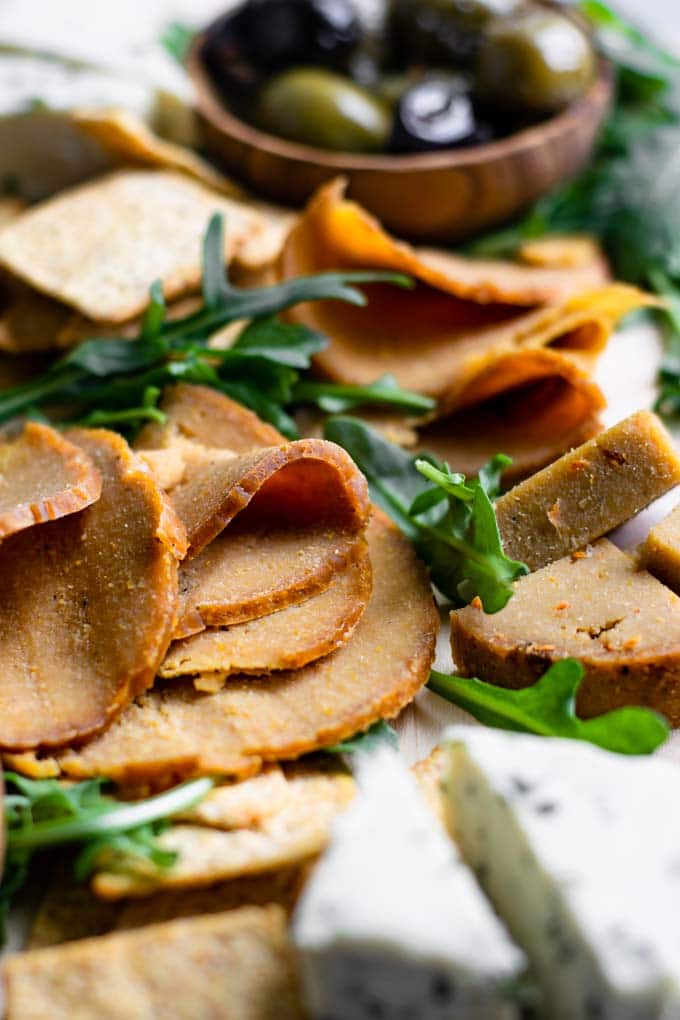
{"points": [[207, 417], [444, 337], [175, 731], [29, 321], [307, 482], [287, 639], [565, 251], [589, 491], [236, 964], [43, 477], [620, 622], [87, 605], [111, 238], [212, 851]]}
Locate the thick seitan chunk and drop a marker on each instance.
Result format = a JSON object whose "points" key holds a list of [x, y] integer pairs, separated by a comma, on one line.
{"points": [[236, 964], [588, 492], [660, 552], [597, 607]]}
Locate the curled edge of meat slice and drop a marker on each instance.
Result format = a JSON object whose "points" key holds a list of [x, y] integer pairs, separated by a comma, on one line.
{"points": [[88, 605], [43, 476]]}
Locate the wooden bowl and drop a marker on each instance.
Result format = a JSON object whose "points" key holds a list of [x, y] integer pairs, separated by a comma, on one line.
{"points": [[440, 196]]}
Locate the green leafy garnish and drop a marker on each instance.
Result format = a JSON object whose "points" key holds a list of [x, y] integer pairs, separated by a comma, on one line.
{"points": [[450, 519], [113, 381], [378, 734], [176, 39], [44, 813], [548, 708]]}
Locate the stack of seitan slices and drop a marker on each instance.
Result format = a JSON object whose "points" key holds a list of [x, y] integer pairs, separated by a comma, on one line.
{"points": [[301, 615], [591, 602], [506, 349]]}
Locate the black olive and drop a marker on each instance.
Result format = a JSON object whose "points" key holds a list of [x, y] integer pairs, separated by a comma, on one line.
{"points": [[265, 36], [436, 114]]}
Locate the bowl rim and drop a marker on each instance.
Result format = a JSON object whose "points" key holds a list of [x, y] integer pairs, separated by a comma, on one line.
{"points": [[211, 106]]}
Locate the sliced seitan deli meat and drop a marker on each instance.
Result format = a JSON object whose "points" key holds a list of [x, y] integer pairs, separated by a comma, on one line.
{"points": [[43, 476], [175, 731], [287, 639], [660, 552], [589, 491], [237, 964], [595, 606], [294, 828], [87, 604], [471, 334]]}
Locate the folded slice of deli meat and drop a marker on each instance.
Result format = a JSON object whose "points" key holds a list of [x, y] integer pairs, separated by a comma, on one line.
{"points": [[87, 604]]}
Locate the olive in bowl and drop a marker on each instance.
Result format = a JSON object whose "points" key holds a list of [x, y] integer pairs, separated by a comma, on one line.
{"points": [[445, 32], [324, 109], [436, 113]]}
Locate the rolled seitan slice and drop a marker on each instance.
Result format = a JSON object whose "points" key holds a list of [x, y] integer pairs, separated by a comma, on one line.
{"points": [[42, 477], [87, 604], [589, 491], [236, 964], [660, 552], [174, 730], [287, 639], [213, 846], [595, 606]]}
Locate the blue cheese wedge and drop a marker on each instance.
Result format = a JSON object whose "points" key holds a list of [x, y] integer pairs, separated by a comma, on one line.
{"points": [[579, 850], [392, 924]]}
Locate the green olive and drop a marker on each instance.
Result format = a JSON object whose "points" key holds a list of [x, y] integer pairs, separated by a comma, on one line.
{"points": [[443, 31], [324, 109], [536, 63]]}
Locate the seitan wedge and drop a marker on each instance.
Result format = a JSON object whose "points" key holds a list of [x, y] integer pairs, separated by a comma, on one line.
{"points": [[236, 964], [87, 605], [43, 476], [596, 606], [287, 639], [175, 731], [111, 238], [295, 829], [660, 552], [589, 491]]}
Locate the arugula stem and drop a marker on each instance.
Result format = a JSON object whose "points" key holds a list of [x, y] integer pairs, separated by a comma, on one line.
{"points": [[406, 400], [102, 821]]}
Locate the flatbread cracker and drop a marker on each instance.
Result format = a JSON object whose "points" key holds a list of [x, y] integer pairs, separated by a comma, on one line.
{"points": [[175, 731], [287, 639], [98, 247], [296, 831], [87, 605], [43, 477], [236, 964]]}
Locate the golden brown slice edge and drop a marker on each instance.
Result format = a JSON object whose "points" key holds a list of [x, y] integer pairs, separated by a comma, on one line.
{"points": [[595, 606], [175, 731], [589, 491], [287, 639], [660, 552], [236, 964], [292, 831], [110, 238], [87, 605], [43, 476], [465, 333]]}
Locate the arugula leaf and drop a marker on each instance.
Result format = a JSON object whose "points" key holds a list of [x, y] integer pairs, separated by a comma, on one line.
{"points": [[375, 736], [548, 709], [104, 380], [176, 39], [45, 813], [451, 520], [335, 398]]}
